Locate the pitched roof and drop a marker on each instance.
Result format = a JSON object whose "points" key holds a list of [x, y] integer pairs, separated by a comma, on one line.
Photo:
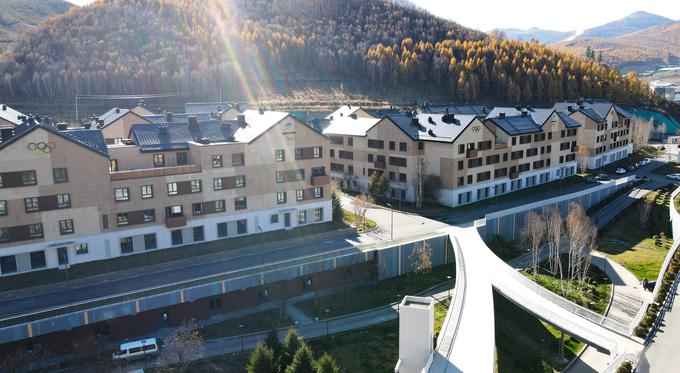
{"points": [[540, 115], [9, 114], [177, 117], [91, 139], [432, 127], [515, 125], [112, 115], [212, 107], [161, 137], [454, 109], [349, 126], [568, 121], [596, 110], [343, 111], [258, 122]]}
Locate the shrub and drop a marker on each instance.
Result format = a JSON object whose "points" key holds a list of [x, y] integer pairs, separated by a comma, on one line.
{"points": [[626, 367], [639, 331]]}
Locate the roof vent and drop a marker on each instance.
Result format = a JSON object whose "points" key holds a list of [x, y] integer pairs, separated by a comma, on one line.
{"points": [[501, 115], [331, 118], [518, 108], [219, 109], [353, 116], [341, 114], [449, 118], [127, 142], [193, 123], [241, 121], [168, 116], [524, 112], [415, 122], [100, 123], [430, 120], [204, 140], [446, 110], [570, 108], [4, 107], [431, 133], [87, 125], [162, 129], [261, 111], [581, 106], [117, 110], [62, 126]]}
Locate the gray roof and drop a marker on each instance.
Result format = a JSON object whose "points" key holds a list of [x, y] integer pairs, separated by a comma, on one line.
{"points": [[516, 125], [176, 136], [379, 113], [113, 115], [597, 109], [455, 109], [568, 121], [539, 115], [10, 114], [91, 139], [212, 107], [177, 117], [431, 126]]}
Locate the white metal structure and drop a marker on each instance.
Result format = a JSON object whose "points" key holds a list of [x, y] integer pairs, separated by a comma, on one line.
{"points": [[137, 350]]}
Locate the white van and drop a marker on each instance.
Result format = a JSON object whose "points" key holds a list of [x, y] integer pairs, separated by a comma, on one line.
{"points": [[137, 350]]}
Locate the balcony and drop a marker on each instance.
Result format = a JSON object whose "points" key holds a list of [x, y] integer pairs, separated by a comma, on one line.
{"points": [[471, 153], [500, 145], [320, 180], [514, 175], [379, 165], [175, 221], [155, 172]]}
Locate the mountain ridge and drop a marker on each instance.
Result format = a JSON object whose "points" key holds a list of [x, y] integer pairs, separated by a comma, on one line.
{"points": [[18, 15]]}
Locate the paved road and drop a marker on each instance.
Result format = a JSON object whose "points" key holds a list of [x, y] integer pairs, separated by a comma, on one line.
{"points": [[662, 354]]}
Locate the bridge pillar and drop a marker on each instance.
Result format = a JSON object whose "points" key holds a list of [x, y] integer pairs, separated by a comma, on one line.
{"points": [[416, 333]]}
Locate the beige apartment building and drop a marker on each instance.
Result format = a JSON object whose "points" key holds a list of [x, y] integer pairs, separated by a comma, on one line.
{"points": [[475, 157], [605, 131], [67, 197]]}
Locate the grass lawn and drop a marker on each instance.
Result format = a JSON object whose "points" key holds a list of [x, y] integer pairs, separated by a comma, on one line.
{"points": [[375, 295], [158, 256], [350, 218], [506, 250], [258, 322], [642, 249]]}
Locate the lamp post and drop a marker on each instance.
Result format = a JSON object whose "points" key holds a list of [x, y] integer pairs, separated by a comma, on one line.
{"points": [[240, 328], [391, 221], [327, 311], [448, 279], [398, 301]]}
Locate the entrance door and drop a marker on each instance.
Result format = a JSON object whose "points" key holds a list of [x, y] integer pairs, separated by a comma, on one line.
{"points": [[62, 255], [286, 219]]}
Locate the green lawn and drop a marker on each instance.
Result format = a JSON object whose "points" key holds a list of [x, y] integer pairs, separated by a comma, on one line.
{"points": [[375, 295], [84, 270], [642, 249], [350, 218], [258, 322]]}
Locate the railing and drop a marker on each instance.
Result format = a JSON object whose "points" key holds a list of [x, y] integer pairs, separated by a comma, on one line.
{"points": [[471, 153], [379, 165], [176, 221], [155, 172], [319, 180]]}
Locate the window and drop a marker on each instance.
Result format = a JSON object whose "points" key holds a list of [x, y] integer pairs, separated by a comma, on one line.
{"points": [[281, 197], [31, 204], [393, 145], [393, 176], [173, 211], [274, 219], [397, 161], [238, 159], [317, 152], [318, 192], [242, 226], [150, 241], [158, 160], [318, 171], [492, 159], [299, 194], [350, 170], [199, 233], [300, 174], [217, 161], [517, 154], [113, 165], [182, 158], [241, 181], [63, 201], [483, 176], [280, 155], [195, 186], [38, 259], [402, 146], [122, 194], [421, 146], [525, 139], [219, 205], [524, 167], [28, 178], [318, 214], [302, 217], [402, 178], [126, 245], [197, 208], [336, 140], [370, 158], [4, 235], [217, 183], [1, 181], [147, 191], [240, 203], [461, 148], [149, 215], [484, 145], [476, 162], [3, 208], [35, 230], [532, 152], [342, 154], [500, 172], [176, 237], [461, 181], [461, 165], [350, 140], [280, 177], [8, 264], [298, 154], [172, 189], [332, 153], [60, 175], [81, 248], [222, 230], [376, 144], [122, 218]]}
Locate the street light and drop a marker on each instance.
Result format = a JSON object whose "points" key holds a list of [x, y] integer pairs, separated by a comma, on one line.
{"points": [[240, 328], [448, 278], [398, 301], [391, 221], [327, 312]]}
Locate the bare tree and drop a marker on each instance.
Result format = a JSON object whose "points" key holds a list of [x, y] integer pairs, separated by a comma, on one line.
{"points": [[421, 258], [361, 204], [640, 133], [419, 180], [533, 234], [553, 236], [182, 345], [582, 158], [580, 235], [644, 209]]}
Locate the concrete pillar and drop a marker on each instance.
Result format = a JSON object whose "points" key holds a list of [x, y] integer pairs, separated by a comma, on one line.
{"points": [[416, 333]]}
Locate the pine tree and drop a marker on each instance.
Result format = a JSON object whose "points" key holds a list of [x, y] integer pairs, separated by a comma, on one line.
{"points": [[261, 360], [291, 344], [326, 364], [273, 343], [336, 206], [303, 362]]}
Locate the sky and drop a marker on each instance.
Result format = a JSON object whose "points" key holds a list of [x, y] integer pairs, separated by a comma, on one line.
{"points": [[567, 15]]}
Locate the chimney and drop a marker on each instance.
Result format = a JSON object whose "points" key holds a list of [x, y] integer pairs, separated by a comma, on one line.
{"points": [[62, 126], [353, 116], [524, 112], [162, 129], [4, 107], [501, 115], [449, 118], [415, 122], [431, 132], [261, 110], [446, 110], [331, 118], [117, 110], [430, 120], [570, 108], [241, 121], [168, 116], [100, 123], [87, 125], [581, 106], [193, 123], [518, 108]]}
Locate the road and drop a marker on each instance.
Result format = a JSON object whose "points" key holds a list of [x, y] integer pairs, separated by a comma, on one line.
{"points": [[662, 355]]}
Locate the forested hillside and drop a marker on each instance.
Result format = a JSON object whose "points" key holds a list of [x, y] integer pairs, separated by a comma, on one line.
{"points": [[17, 15], [134, 46]]}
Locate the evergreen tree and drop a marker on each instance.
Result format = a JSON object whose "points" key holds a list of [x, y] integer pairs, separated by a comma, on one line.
{"points": [[273, 343], [291, 344], [373, 183], [326, 364], [303, 362], [336, 206], [261, 360], [381, 185]]}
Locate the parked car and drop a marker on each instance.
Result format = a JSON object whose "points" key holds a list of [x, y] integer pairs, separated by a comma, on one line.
{"points": [[673, 176], [603, 177], [645, 162], [592, 179], [620, 170]]}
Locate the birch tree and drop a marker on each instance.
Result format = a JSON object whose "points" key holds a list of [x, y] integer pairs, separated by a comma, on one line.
{"points": [[533, 234], [419, 180], [361, 204], [580, 235], [553, 236], [640, 132]]}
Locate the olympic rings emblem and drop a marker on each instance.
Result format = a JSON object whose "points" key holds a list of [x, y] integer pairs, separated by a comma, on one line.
{"points": [[44, 147]]}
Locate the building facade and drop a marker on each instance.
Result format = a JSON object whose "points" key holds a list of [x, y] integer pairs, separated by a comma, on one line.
{"points": [[67, 197]]}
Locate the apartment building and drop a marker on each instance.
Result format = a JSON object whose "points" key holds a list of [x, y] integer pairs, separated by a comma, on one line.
{"points": [[605, 131], [67, 197], [475, 157], [115, 124]]}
